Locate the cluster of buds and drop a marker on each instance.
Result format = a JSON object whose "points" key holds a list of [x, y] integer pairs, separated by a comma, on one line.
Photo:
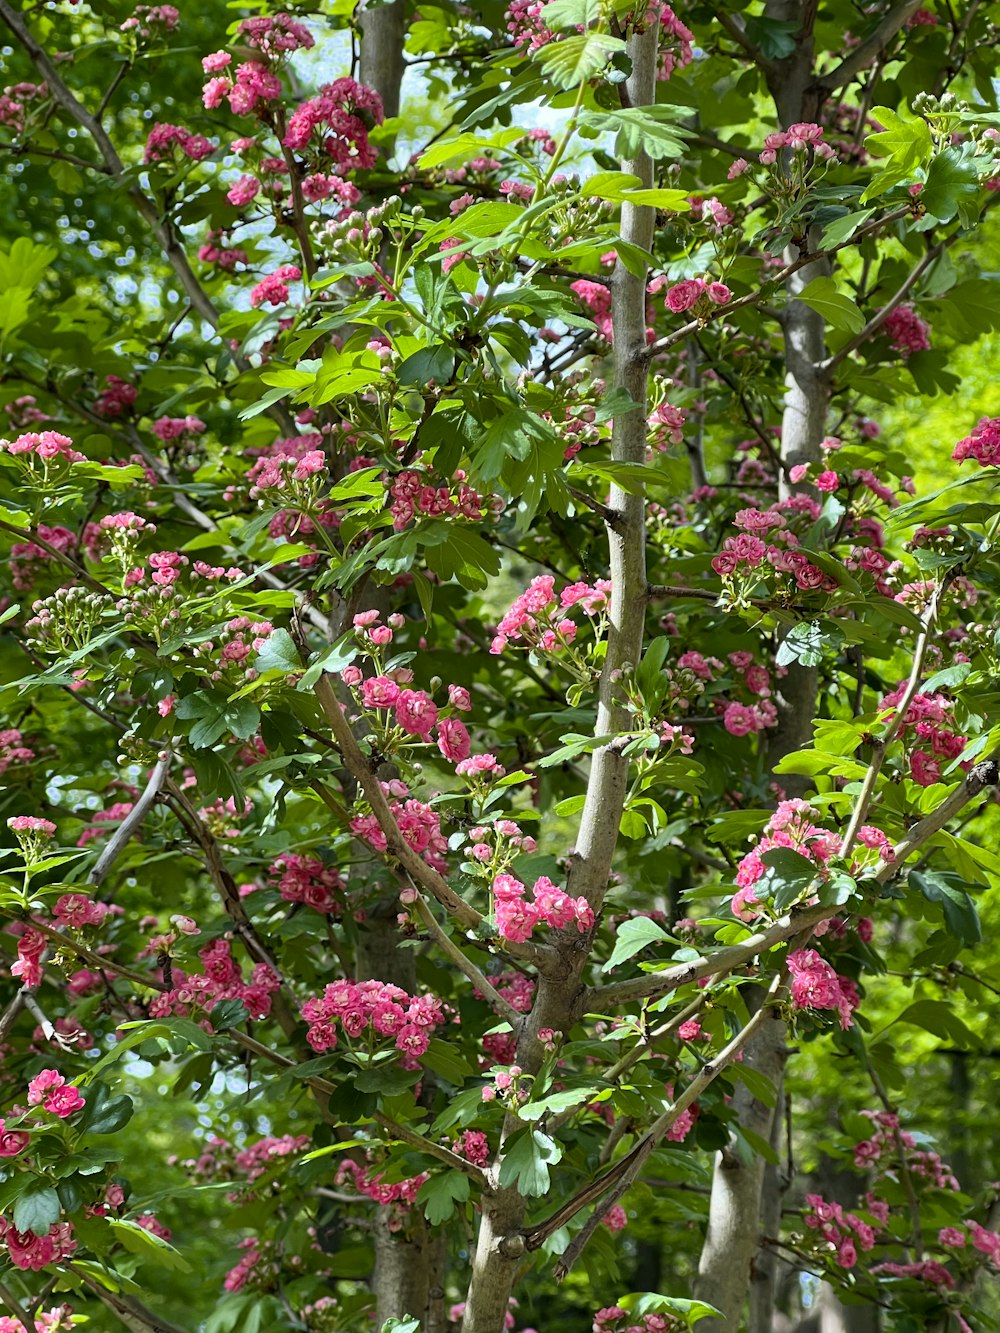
{"points": [[493, 848], [359, 237], [66, 621]]}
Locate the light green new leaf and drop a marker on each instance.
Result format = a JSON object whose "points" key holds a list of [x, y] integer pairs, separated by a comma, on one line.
{"points": [[822, 296]]}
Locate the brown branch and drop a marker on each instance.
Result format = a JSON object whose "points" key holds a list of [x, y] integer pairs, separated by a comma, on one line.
{"points": [[87, 121], [600, 999], [626, 1170], [872, 47], [10, 1302], [362, 770], [123, 833]]}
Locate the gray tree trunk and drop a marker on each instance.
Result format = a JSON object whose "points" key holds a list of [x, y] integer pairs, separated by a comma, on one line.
{"points": [[731, 1255], [500, 1244]]}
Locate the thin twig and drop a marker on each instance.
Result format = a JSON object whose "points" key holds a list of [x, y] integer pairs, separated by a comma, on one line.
{"points": [[123, 833]]}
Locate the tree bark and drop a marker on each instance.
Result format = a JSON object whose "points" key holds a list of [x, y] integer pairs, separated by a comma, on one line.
{"points": [[732, 1237], [383, 29], [557, 999], [735, 1212]]}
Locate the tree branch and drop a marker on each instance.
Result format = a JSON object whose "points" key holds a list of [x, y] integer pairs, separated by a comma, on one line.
{"points": [[600, 999], [872, 46], [626, 1170], [76, 111], [362, 770], [123, 833]]}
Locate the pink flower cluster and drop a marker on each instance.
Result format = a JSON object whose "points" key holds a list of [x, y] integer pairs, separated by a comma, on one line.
{"points": [[612, 1319], [815, 985], [30, 948], [221, 980], [305, 879], [25, 1250], [419, 824], [116, 398], [277, 35], [525, 24], [339, 116], [226, 257], [164, 139], [31, 824], [77, 910], [51, 1091], [57, 1320], [374, 1011], [252, 83], [983, 444], [13, 750], [175, 428], [273, 290], [412, 496], [740, 555], [925, 725], [676, 44], [906, 331], [596, 297], [516, 918], [846, 1232], [12, 103], [745, 719], [27, 559], [46, 446], [145, 18], [790, 826], [696, 292], [800, 138], [881, 1152], [539, 619], [474, 1146], [255, 1160]]}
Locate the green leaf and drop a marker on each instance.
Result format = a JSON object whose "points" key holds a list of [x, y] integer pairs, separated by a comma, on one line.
{"points": [[147, 1245], [447, 1061], [652, 129], [278, 654], [789, 874], [938, 1018], [641, 1303], [441, 1193], [228, 1014], [906, 139], [573, 60], [836, 233], [106, 1114], [808, 643], [952, 185], [215, 715], [557, 1102], [774, 38], [634, 935], [332, 661], [37, 1211], [526, 1163], [571, 13], [822, 296], [960, 913], [428, 363], [404, 1325]]}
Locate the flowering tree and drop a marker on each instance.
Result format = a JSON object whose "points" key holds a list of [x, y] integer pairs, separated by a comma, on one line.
{"points": [[480, 685]]}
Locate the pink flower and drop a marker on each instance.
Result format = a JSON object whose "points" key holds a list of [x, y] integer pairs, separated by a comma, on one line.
{"points": [[718, 293], [64, 1102], [415, 712], [12, 1141], [683, 295], [379, 692], [453, 740]]}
